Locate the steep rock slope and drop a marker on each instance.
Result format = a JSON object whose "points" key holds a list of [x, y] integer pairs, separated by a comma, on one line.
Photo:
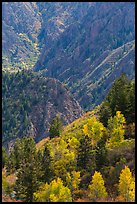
{"points": [[28, 26], [31, 101], [77, 38], [21, 23], [98, 80], [73, 54], [57, 17]]}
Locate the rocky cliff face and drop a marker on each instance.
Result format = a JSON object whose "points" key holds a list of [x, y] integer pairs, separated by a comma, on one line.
{"points": [[103, 72], [85, 45], [57, 17], [31, 101], [98, 30], [52, 98]]}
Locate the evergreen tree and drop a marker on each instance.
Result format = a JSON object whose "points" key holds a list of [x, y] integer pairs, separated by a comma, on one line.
{"points": [[29, 173], [101, 154], [130, 110], [120, 97], [83, 153], [15, 157], [46, 165], [17, 153], [105, 113], [10, 164], [56, 127], [4, 157], [86, 156]]}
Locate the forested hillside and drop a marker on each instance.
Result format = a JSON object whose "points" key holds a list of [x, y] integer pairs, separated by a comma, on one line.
{"points": [[30, 102], [86, 45], [86, 160], [21, 24], [68, 102]]}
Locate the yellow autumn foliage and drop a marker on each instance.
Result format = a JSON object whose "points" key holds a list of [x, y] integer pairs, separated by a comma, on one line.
{"points": [[73, 180], [53, 192], [126, 185], [94, 129], [116, 130], [97, 189]]}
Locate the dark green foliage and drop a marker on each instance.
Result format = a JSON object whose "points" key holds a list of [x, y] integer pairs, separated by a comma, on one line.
{"points": [[56, 127], [17, 152], [130, 131], [105, 113], [114, 174], [46, 165], [25, 161], [85, 180], [34, 168], [15, 121], [30, 171], [101, 155], [111, 174], [26, 105], [15, 157], [86, 156], [121, 97], [10, 164], [4, 157], [117, 97], [82, 158], [130, 111]]}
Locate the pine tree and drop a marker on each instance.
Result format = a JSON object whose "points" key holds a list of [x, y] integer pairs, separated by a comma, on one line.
{"points": [[4, 157], [46, 165], [17, 153], [120, 97], [130, 110], [117, 97], [105, 113], [30, 173], [101, 154], [56, 127], [11, 163], [86, 156]]}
